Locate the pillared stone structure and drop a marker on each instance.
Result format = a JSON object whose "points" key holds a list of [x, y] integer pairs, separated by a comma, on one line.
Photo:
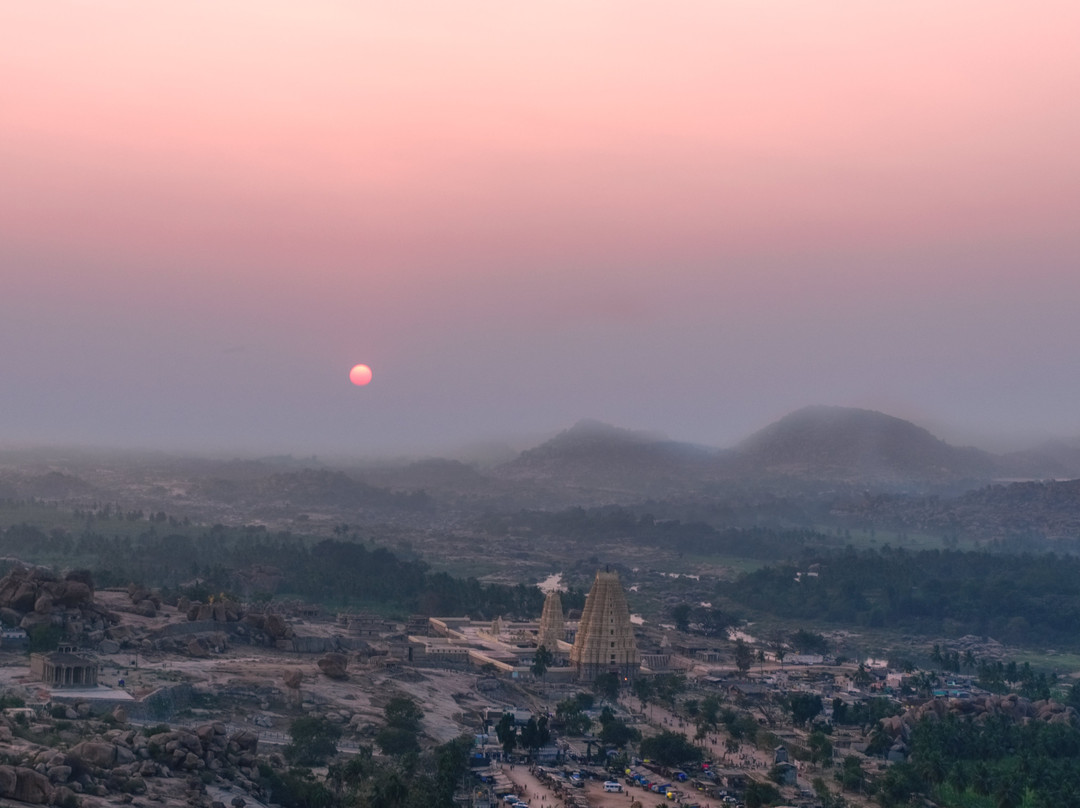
{"points": [[605, 637]]}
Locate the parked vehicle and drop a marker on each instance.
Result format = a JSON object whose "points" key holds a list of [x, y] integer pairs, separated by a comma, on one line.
{"points": [[612, 785]]}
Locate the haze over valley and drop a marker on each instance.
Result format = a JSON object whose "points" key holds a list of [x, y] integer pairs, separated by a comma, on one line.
{"points": [[563, 405]]}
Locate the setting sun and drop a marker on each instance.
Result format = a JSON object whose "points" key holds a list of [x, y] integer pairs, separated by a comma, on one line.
{"points": [[360, 375]]}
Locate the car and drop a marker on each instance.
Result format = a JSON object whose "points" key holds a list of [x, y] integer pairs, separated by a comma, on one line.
{"points": [[511, 798]]}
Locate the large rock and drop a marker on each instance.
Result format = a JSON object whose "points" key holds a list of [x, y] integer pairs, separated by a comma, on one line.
{"points": [[334, 665], [34, 619], [245, 740], [32, 787], [9, 617], [8, 780], [73, 593], [24, 597], [94, 754], [43, 604], [277, 628]]}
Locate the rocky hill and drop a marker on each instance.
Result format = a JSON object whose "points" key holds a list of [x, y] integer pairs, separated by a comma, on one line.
{"points": [[834, 444], [593, 456], [854, 444]]}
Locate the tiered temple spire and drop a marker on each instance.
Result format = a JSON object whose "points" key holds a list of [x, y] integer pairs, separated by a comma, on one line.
{"points": [[605, 637]]}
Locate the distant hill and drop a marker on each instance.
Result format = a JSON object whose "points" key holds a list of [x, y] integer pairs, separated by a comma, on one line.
{"points": [[833, 444], [599, 457], [1059, 458], [846, 443]]}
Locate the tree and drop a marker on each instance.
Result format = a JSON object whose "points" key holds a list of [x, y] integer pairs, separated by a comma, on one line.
{"points": [[570, 712], [744, 657], [804, 706], [400, 736], [397, 742], [668, 687], [314, 741], [614, 731], [452, 761], [851, 776], [758, 794], [821, 748], [506, 732], [680, 613], [670, 749], [710, 711], [607, 685], [862, 676], [403, 713], [530, 735], [542, 660], [643, 689], [778, 645]]}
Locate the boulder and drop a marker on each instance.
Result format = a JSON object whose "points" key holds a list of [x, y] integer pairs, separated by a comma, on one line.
{"points": [[32, 787], [145, 608], [94, 754], [44, 604], [277, 628], [24, 597], [8, 781], [246, 740], [58, 774], [9, 617], [33, 620], [73, 593], [334, 665]]}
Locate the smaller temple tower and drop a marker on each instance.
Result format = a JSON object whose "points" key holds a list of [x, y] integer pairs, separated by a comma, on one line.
{"points": [[605, 637], [552, 625]]}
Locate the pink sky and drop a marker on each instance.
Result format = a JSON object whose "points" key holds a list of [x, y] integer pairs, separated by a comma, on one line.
{"points": [[691, 219]]}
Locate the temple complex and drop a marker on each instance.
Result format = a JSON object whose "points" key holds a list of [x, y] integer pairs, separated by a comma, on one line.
{"points": [[605, 637]]}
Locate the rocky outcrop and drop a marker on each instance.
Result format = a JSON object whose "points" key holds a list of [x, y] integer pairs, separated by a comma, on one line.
{"points": [[221, 610], [25, 785], [38, 597], [979, 709]]}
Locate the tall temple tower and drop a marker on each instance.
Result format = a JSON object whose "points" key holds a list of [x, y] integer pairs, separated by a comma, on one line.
{"points": [[605, 637], [552, 625]]}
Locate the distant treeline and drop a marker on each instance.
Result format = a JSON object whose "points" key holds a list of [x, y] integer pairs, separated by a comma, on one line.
{"points": [[621, 524], [1021, 598], [334, 572]]}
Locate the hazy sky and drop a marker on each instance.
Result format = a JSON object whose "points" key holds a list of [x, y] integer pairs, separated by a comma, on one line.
{"points": [[691, 217]]}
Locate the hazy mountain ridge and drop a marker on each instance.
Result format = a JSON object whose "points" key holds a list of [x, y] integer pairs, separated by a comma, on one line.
{"points": [[817, 443], [848, 443], [594, 455]]}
